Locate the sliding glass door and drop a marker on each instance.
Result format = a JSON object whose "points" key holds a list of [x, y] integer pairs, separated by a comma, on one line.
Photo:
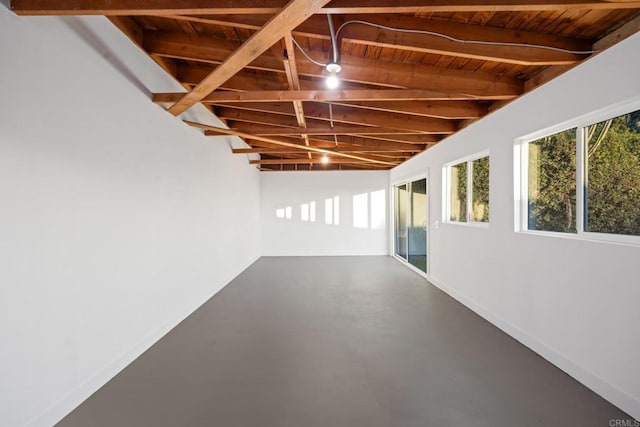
{"points": [[411, 223], [402, 201]]}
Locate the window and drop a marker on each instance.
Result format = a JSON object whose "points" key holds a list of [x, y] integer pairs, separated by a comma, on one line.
{"points": [[585, 179], [287, 212], [612, 175], [552, 182], [458, 192], [468, 190], [480, 190]]}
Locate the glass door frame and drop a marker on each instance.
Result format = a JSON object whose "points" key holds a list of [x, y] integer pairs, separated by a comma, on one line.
{"points": [[392, 204]]}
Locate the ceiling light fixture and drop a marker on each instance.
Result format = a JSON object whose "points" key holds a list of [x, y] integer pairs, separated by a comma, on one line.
{"points": [[325, 159], [332, 81], [333, 67]]}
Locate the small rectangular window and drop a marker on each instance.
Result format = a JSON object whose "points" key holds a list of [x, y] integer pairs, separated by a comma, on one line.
{"points": [[480, 190], [551, 182], [612, 156], [468, 191], [336, 210], [304, 212], [287, 212], [458, 191]]}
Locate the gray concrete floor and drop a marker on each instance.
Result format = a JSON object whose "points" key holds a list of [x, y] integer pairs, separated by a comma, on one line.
{"points": [[339, 341]]}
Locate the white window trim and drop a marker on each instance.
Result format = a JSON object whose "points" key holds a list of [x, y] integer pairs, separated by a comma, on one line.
{"points": [[446, 190], [521, 164]]}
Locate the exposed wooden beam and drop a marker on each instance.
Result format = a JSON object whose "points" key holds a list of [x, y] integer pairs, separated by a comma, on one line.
{"points": [[317, 130], [383, 119], [203, 7], [316, 27], [417, 76], [307, 161], [294, 83], [448, 110], [250, 80], [437, 109], [460, 83], [292, 15], [265, 150], [391, 157], [517, 53], [259, 118], [626, 30], [343, 115], [243, 81], [550, 73], [385, 140], [129, 27], [407, 139], [367, 141], [354, 143], [245, 135], [420, 6], [323, 96]]}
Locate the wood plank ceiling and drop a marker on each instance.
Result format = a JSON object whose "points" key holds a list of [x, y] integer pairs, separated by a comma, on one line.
{"points": [[412, 71]]}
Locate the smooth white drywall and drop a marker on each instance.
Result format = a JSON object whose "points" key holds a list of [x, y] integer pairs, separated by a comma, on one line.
{"points": [[281, 236], [575, 302], [116, 219]]}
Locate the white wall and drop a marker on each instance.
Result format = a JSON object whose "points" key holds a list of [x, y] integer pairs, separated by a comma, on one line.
{"points": [[116, 219], [573, 301], [282, 237]]}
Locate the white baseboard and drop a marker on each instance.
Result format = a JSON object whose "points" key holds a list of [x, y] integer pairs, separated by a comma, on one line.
{"points": [[609, 392], [68, 403]]}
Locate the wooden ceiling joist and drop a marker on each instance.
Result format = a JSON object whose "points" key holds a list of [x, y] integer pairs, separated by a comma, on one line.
{"points": [[348, 143], [231, 132], [307, 162], [200, 7], [437, 109], [478, 85], [295, 12], [222, 97], [318, 130], [291, 70], [341, 115], [265, 150], [448, 110], [380, 35]]}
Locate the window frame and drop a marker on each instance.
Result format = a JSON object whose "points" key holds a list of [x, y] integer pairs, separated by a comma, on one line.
{"points": [[446, 190], [521, 165]]}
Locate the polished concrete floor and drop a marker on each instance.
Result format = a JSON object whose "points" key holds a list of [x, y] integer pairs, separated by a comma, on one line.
{"points": [[332, 342]]}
